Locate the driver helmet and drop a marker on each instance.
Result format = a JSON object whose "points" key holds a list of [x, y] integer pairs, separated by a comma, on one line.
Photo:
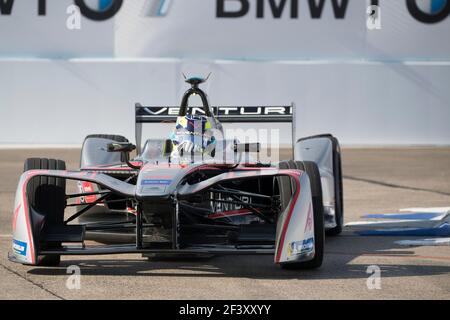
{"points": [[193, 133]]}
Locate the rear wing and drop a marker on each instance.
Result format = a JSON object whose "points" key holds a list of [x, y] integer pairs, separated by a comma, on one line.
{"points": [[224, 114]]}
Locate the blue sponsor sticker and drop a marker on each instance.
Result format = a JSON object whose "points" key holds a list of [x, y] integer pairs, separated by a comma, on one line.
{"points": [[20, 247], [307, 245], [148, 182]]}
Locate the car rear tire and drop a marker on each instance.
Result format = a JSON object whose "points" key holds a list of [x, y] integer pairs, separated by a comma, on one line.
{"points": [[338, 190], [313, 173], [47, 196]]}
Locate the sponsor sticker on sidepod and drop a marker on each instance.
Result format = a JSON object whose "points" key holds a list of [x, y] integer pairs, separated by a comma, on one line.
{"points": [[148, 182], [20, 247], [301, 247]]}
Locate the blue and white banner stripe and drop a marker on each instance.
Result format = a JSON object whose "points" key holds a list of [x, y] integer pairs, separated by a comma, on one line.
{"points": [[157, 8]]}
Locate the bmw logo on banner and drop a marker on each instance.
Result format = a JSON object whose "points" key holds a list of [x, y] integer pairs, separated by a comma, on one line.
{"points": [[429, 11], [105, 9], [99, 10]]}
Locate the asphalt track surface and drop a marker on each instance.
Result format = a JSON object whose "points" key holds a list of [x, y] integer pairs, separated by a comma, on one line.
{"points": [[376, 181]]}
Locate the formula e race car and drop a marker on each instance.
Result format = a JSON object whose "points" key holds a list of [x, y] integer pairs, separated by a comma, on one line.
{"points": [[196, 193]]}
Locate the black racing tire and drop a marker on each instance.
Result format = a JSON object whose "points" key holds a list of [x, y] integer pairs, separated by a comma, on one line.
{"points": [[47, 196], [313, 173], [338, 190]]}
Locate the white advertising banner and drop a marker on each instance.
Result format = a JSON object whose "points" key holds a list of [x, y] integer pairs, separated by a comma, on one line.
{"points": [[285, 29], [227, 29]]}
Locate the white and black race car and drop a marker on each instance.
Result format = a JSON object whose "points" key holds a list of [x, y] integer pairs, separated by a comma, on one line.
{"points": [[170, 200]]}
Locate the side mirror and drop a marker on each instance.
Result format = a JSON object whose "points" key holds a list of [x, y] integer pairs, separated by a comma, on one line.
{"points": [[124, 148], [120, 147]]}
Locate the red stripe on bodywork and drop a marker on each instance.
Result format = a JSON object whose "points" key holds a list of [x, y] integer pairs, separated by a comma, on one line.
{"points": [[309, 220], [108, 169], [288, 218], [27, 218], [240, 212], [203, 166], [112, 167]]}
